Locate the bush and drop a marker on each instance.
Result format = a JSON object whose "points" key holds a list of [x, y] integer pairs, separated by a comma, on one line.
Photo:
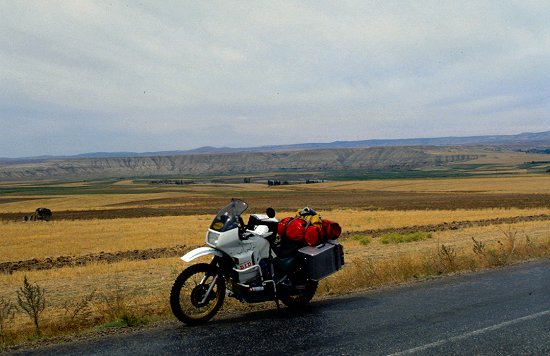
{"points": [[7, 312], [31, 300], [397, 238], [363, 239]]}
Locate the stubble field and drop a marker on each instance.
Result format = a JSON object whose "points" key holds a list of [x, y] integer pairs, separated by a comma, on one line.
{"points": [[110, 254]]}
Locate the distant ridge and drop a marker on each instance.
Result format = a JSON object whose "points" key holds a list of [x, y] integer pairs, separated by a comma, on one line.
{"points": [[526, 140], [539, 138], [373, 158]]}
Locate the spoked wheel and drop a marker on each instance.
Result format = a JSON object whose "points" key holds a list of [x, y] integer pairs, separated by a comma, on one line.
{"points": [[197, 294], [300, 295]]}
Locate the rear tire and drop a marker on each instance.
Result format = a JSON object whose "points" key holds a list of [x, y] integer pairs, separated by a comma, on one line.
{"points": [[189, 290], [299, 298]]}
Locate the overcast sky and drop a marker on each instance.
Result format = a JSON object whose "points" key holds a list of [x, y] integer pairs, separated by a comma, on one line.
{"points": [[87, 76]]}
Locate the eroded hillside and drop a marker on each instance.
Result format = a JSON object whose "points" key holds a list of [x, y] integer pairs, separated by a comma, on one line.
{"points": [[245, 162]]}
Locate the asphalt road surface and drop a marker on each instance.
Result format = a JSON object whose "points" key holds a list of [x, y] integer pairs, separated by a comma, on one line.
{"points": [[504, 311]]}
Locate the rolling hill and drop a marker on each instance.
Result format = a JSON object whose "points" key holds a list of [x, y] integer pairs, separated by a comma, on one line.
{"points": [[377, 158], [340, 155]]}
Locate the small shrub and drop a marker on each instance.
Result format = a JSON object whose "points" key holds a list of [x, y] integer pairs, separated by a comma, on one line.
{"points": [[529, 245], [367, 270], [503, 252], [363, 239], [447, 256], [479, 248], [126, 320], [509, 247], [405, 268], [7, 312], [131, 319], [31, 300], [119, 323], [430, 265], [115, 302], [80, 311], [116, 307], [397, 238]]}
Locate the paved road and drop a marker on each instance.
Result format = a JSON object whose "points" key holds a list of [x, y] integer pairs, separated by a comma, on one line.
{"points": [[498, 312]]}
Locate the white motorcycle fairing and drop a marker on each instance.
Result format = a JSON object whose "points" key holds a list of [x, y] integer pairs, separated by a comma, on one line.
{"points": [[199, 252]]}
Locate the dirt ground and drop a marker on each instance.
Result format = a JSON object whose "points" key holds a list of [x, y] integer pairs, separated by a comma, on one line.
{"points": [[323, 200]]}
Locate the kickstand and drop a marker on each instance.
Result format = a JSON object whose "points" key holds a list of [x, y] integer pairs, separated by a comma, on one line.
{"points": [[277, 302]]}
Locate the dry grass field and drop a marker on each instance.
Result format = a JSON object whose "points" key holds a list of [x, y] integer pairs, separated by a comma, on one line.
{"points": [[468, 224]]}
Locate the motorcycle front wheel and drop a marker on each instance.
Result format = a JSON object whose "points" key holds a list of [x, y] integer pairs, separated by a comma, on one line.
{"points": [[197, 294]]}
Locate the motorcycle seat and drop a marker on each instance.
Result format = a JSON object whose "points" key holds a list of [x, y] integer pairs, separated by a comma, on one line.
{"points": [[287, 248]]}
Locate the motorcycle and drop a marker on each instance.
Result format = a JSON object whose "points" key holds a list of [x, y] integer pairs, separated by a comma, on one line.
{"points": [[251, 264]]}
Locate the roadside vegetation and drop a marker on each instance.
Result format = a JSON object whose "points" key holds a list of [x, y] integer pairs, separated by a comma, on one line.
{"points": [[394, 232], [362, 239], [397, 238], [512, 246]]}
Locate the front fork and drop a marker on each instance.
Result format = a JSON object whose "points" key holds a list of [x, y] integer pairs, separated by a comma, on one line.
{"points": [[217, 264], [207, 294]]}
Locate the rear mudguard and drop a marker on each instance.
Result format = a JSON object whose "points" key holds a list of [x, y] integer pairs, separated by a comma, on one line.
{"points": [[199, 252]]}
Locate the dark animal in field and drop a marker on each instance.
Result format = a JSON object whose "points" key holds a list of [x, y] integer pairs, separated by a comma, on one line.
{"points": [[40, 214]]}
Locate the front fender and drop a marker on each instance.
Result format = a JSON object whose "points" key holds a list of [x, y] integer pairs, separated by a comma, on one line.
{"points": [[199, 252]]}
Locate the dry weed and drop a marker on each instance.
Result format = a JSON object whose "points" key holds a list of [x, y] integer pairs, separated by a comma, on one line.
{"points": [[79, 312], [31, 300], [7, 313], [447, 256]]}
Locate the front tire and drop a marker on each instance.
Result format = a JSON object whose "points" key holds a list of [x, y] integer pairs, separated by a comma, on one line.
{"points": [[187, 297]]}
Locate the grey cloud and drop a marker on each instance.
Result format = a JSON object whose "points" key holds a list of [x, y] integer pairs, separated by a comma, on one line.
{"points": [[168, 75]]}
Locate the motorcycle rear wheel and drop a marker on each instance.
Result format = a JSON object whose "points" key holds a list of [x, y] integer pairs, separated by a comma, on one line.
{"points": [[189, 290], [299, 298]]}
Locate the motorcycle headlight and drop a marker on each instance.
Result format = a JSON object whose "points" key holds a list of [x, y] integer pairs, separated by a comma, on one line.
{"points": [[212, 237]]}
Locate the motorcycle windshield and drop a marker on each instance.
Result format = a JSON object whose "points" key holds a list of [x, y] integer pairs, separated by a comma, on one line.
{"points": [[228, 218]]}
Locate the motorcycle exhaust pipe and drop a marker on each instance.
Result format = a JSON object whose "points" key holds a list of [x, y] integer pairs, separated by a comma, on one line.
{"points": [[268, 286]]}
